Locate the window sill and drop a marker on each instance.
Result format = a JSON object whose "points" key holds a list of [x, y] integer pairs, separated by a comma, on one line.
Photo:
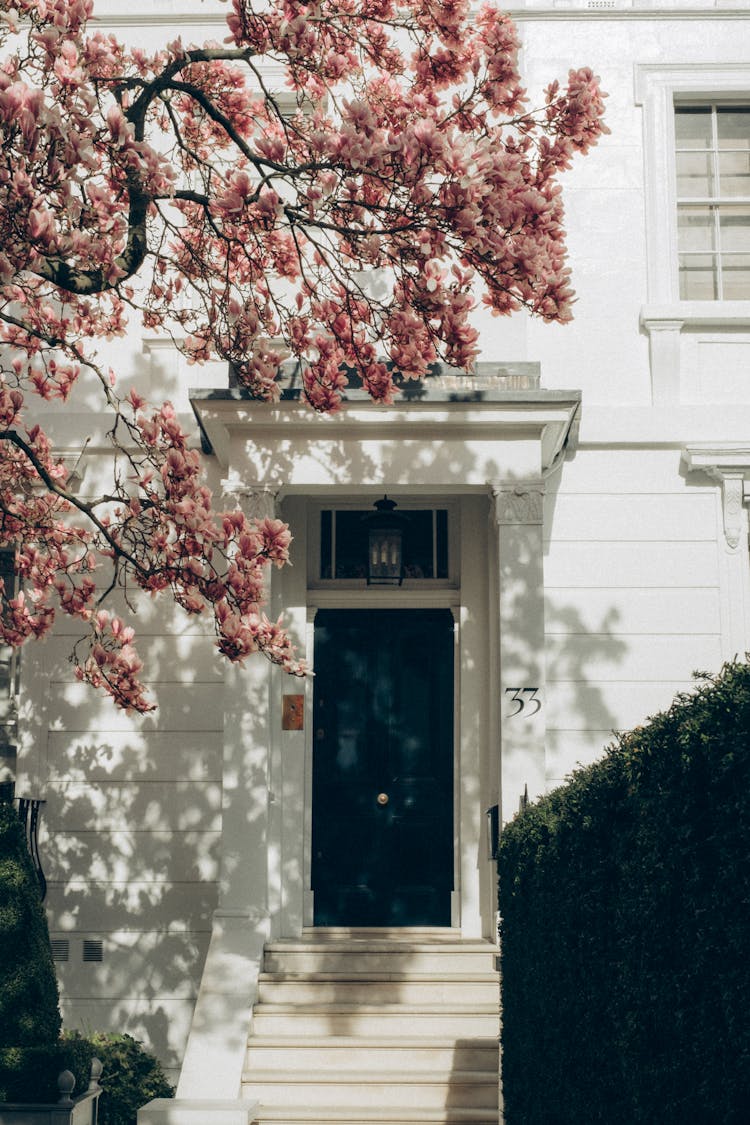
{"points": [[696, 314]]}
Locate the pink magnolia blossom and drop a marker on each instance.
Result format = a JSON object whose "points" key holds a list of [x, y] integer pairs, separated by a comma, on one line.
{"points": [[129, 179]]}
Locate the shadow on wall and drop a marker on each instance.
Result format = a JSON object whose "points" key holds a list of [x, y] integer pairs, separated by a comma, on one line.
{"points": [[134, 805], [575, 659], [130, 836]]}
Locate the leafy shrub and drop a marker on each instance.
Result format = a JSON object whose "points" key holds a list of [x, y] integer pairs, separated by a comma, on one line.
{"points": [[130, 1075], [130, 1078], [29, 1074], [625, 899], [29, 1012]]}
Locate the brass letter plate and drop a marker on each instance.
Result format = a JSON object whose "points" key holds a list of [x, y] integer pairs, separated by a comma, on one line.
{"points": [[292, 712]]}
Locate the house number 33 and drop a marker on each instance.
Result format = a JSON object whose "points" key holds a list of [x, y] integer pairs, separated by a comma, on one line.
{"points": [[525, 699]]}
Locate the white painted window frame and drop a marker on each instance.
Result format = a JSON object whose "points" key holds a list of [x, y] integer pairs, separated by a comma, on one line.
{"points": [[657, 88], [714, 200]]}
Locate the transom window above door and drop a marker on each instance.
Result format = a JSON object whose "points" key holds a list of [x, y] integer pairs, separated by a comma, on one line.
{"points": [[713, 201], [345, 543]]}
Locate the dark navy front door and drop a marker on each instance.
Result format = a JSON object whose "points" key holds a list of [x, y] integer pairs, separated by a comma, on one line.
{"points": [[383, 768]]}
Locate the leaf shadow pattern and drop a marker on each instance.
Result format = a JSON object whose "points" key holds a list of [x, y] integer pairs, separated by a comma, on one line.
{"points": [[136, 806]]}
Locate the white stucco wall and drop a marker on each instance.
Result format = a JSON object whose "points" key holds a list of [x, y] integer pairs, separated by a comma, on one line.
{"points": [[131, 832], [641, 584]]}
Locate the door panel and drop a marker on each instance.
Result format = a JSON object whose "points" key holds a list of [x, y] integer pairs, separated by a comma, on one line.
{"points": [[383, 767]]}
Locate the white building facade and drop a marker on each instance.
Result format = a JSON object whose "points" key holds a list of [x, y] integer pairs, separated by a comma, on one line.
{"points": [[577, 546]]}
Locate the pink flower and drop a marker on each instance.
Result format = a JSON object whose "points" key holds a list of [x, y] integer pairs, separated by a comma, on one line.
{"points": [[247, 232]]}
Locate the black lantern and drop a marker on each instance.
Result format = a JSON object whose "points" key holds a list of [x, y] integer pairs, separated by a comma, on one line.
{"points": [[385, 558]]}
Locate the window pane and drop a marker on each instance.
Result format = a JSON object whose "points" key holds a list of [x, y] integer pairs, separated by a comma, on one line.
{"points": [[735, 277], [7, 572], [734, 173], [733, 127], [734, 227], [441, 547], [351, 544], [693, 126], [694, 174], [697, 277], [713, 164], [418, 545], [326, 544], [695, 228]]}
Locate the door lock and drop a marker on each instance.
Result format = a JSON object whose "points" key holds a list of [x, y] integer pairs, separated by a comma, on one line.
{"points": [[382, 798]]}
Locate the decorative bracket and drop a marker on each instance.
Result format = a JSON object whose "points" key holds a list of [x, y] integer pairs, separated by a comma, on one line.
{"points": [[730, 466]]}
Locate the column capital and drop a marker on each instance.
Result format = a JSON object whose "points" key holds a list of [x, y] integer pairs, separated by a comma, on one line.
{"points": [[517, 502], [258, 501]]}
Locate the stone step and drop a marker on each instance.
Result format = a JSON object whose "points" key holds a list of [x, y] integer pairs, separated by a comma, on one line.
{"points": [[377, 988], [347, 1053], [369, 1115], [414, 958], [397, 1090], [378, 1020], [356, 1026], [391, 934]]}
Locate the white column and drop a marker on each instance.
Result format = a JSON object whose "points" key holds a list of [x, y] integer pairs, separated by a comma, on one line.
{"points": [[476, 887], [292, 739], [214, 1058], [518, 512]]}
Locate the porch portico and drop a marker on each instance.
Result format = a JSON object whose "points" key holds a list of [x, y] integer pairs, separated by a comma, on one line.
{"points": [[483, 454]]}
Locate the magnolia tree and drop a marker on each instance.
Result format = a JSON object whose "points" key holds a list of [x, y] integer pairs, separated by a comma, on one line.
{"points": [[236, 195]]}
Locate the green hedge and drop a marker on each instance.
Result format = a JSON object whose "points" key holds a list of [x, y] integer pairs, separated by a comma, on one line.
{"points": [[29, 1007], [625, 905], [29, 1074]]}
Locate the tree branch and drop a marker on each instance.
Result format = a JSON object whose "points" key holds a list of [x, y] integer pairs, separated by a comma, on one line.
{"points": [[86, 509]]}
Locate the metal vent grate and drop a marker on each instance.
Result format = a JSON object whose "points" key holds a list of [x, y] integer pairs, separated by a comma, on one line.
{"points": [[93, 950], [60, 949]]}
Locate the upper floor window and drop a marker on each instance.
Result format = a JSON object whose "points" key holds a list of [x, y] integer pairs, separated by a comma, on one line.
{"points": [[713, 201]]}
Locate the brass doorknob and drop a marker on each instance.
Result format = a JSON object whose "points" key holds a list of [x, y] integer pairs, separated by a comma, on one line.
{"points": [[382, 798]]}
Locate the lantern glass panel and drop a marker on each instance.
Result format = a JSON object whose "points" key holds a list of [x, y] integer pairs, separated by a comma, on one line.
{"points": [[385, 555]]}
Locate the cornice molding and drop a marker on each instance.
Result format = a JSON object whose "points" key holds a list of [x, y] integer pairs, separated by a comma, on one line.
{"points": [[174, 17], [524, 14]]}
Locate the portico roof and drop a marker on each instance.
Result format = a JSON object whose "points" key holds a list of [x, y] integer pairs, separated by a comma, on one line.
{"points": [[450, 432]]}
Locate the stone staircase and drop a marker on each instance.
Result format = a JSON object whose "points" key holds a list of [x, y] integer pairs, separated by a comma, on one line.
{"points": [[360, 1026]]}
